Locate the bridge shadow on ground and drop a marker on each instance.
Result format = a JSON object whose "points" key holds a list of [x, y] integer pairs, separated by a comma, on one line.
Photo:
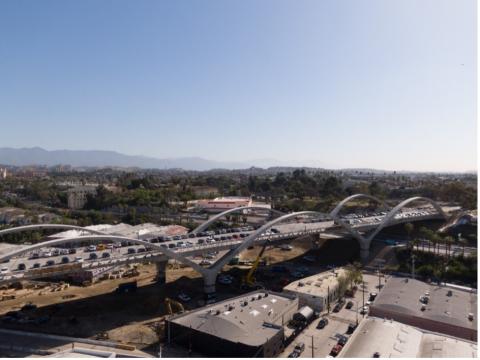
{"points": [[88, 317]]}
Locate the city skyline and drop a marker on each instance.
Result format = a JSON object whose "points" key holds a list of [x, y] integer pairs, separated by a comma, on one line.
{"points": [[330, 84]]}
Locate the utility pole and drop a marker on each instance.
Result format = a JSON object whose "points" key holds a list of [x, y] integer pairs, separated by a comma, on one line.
{"points": [[356, 301], [363, 298], [313, 348], [328, 299], [413, 266]]}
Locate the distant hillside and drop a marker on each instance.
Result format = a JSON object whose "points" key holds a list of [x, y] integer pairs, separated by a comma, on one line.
{"points": [[101, 158]]}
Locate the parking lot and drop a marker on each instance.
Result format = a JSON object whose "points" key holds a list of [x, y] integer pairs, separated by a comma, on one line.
{"points": [[325, 339]]}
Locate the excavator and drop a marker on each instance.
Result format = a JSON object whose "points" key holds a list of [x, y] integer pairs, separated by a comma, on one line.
{"points": [[249, 281], [168, 305]]}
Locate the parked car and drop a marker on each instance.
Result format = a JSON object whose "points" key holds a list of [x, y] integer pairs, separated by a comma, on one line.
{"points": [[364, 310], [65, 260], [131, 251], [299, 347], [105, 255], [205, 262], [141, 249], [279, 268], [28, 307], [351, 328], [336, 350], [342, 340], [78, 259], [339, 306], [72, 251], [93, 256], [310, 258], [184, 297], [36, 265], [349, 305], [322, 323], [50, 263], [21, 266]]}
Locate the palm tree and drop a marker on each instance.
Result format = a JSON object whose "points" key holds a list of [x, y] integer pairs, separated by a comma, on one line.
{"points": [[415, 242], [448, 243], [463, 242], [409, 230], [426, 234]]}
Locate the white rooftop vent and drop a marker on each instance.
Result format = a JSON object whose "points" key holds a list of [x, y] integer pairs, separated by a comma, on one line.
{"points": [[254, 312]]}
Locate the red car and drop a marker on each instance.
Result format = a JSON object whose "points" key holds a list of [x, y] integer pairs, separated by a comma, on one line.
{"points": [[336, 350]]}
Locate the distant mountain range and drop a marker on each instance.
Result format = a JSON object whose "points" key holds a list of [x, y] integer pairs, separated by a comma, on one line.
{"points": [[101, 158]]}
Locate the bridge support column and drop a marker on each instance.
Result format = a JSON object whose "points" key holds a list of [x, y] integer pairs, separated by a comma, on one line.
{"points": [[364, 251], [209, 280], [161, 271]]}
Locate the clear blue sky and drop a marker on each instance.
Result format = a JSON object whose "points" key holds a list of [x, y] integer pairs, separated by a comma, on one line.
{"points": [[358, 83]]}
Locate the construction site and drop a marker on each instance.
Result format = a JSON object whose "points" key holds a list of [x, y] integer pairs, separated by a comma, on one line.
{"points": [[129, 305]]}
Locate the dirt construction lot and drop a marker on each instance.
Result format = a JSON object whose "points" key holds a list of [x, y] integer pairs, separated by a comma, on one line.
{"points": [[136, 318]]}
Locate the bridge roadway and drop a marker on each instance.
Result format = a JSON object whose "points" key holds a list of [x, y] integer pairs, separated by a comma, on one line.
{"points": [[120, 256]]}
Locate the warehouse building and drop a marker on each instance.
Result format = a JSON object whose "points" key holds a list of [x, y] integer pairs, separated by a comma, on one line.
{"points": [[442, 309], [318, 290], [377, 337], [251, 325]]}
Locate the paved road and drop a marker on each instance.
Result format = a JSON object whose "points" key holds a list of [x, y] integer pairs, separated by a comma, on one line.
{"points": [[324, 339]]}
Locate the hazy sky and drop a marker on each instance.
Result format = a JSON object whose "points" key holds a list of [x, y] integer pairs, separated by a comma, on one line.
{"points": [[384, 84]]}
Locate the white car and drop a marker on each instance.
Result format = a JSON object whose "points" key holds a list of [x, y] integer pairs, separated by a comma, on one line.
{"points": [[78, 259], [4, 270]]}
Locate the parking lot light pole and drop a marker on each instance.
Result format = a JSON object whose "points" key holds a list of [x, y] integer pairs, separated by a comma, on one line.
{"points": [[363, 298], [356, 301]]}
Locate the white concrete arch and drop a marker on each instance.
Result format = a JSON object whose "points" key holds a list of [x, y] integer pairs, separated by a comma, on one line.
{"points": [[342, 203], [167, 252], [253, 236], [47, 226], [391, 214], [210, 221]]}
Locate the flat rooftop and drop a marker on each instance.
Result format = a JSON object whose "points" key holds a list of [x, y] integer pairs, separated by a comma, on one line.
{"points": [[402, 295], [141, 231], [394, 339], [316, 285], [245, 319]]}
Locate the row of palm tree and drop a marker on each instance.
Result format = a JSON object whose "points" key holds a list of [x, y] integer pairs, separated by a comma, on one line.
{"points": [[432, 238]]}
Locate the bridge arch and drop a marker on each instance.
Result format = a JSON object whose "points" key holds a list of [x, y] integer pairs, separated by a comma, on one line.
{"points": [[210, 221], [342, 203], [47, 226], [249, 240], [165, 251], [386, 221]]}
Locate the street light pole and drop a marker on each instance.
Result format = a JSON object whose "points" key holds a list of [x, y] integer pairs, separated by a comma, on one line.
{"points": [[356, 302], [363, 298]]}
